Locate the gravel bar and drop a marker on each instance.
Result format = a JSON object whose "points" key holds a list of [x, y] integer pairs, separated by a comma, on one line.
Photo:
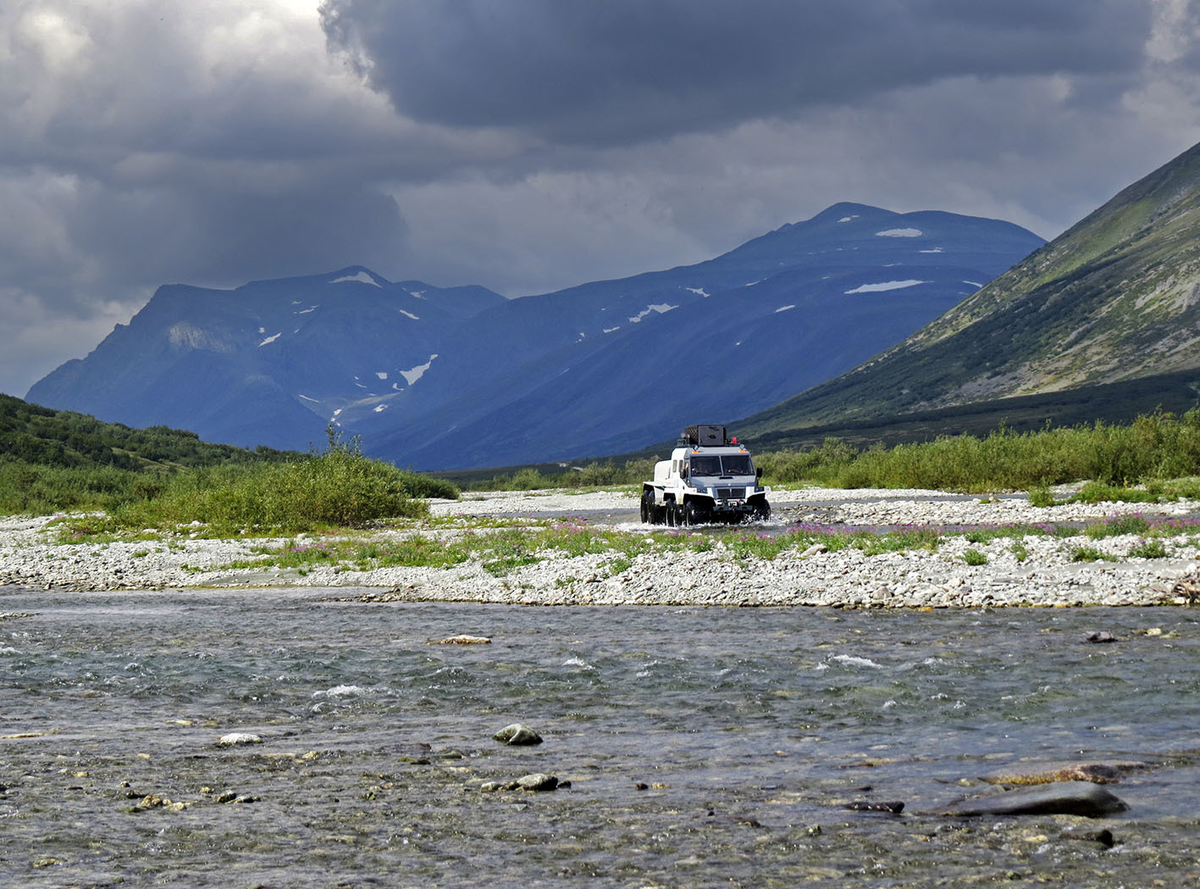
{"points": [[1035, 570]]}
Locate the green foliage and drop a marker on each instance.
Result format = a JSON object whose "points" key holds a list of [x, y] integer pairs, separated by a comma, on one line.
{"points": [[1117, 525], [974, 557], [41, 436], [1148, 549], [1089, 554], [1042, 496], [176, 479], [1152, 448], [338, 488]]}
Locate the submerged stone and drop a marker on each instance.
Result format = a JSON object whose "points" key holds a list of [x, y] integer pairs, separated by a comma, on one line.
{"points": [[1066, 798]]}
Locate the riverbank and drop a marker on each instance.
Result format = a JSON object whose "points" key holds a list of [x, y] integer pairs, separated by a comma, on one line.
{"points": [[711, 567]]}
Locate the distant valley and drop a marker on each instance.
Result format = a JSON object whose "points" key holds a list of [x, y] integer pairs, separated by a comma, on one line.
{"points": [[436, 378]]}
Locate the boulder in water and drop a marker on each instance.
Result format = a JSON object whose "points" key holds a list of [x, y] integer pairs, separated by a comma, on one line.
{"points": [[1063, 798], [517, 735]]}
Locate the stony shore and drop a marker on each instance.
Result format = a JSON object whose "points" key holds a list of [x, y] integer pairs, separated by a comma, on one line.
{"points": [[1036, 570]]}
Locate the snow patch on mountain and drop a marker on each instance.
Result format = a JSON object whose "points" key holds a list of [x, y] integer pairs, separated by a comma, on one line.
{"points": [[270, 339], [361, 277], [661, 308], [382, 374], [885, 285], [848, 218], [899, 233], [699, 291], [784, 308], [934, 250], [410, 314], [411, 376]]}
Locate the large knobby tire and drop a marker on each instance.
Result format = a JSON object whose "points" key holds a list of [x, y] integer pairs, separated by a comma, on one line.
{"points": [[762, 511], [647, 507], [695, 513], [671, 515]]}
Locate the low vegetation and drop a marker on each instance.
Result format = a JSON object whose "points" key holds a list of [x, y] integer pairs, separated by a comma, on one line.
{"points": [[1159, 452], [1151, 450], [503, 545], [337, 488], [158, 478]]}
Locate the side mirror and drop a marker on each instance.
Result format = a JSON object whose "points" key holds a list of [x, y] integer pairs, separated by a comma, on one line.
{"points": [[758, 474]]}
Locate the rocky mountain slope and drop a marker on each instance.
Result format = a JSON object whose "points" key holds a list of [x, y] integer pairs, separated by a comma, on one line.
{"points": [[1112, 302], [433, 378]]}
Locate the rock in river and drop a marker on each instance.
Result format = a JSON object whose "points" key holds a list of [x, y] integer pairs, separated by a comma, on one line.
{"points": [[237, 739], [517, 735], [1065, 798], [537, 781]]}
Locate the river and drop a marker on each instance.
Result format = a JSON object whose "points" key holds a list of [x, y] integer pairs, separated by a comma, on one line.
{"points": [[703, 747]]}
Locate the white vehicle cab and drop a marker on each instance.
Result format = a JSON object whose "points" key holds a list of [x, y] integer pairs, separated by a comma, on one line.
{"points": [[709, 478]]}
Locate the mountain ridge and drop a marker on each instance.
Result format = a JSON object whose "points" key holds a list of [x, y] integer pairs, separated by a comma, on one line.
{"points": [[1116, 297], [454, 377]]}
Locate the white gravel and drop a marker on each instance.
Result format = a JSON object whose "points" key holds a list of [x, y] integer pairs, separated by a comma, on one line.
{"points": [[1036, 570]]}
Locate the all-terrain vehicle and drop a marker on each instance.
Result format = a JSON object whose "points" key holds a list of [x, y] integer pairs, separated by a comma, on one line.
{"points": [[709, 478]]}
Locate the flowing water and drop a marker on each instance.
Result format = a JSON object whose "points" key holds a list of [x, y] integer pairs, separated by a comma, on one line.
{"points": [[703, 747]]}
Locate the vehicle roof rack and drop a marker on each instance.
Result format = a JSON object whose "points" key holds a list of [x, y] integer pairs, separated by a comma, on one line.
{"points": [[710, 435]]}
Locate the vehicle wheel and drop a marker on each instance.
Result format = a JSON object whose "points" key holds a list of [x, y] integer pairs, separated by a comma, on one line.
{"points": [[670, 508], [762, 511], [694, 513], [647, 507]]}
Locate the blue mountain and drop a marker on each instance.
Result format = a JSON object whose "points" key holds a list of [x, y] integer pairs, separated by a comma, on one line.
{"points": [[452, 378]]}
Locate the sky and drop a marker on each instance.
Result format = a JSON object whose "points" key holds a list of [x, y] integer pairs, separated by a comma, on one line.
{"points": [[529, 145]]}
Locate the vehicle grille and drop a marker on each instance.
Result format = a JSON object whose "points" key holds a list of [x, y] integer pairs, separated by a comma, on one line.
{"points": [[731, 493]]}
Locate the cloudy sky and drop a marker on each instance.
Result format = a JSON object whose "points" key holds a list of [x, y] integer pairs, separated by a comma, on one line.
{"points": [[528, 145]]}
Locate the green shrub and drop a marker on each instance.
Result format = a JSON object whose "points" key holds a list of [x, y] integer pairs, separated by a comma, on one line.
{"points": [[338, 488], [1153, 448], [1148, 549], [974, 557]]}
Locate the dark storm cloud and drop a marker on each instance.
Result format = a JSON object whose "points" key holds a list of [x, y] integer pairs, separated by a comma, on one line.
{"points": [[529, 145], [621, 71]]}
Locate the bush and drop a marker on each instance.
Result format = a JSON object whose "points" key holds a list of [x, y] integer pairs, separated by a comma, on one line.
{"points": [[1153, 448], [338, 488]]}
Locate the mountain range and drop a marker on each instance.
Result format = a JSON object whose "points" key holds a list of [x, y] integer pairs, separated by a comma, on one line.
{"points": [[436, 378], [1103, 322]]}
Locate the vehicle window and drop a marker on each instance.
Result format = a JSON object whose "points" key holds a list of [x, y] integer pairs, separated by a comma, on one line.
{"points": [[737, 464], [706, 466]]}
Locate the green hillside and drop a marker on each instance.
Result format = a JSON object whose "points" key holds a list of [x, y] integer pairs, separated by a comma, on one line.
{"points": [[46, 437], [1114, 300]]}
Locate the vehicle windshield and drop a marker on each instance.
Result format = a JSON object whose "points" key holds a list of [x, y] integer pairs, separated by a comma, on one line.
{"points": [[737, 464], [716, 466]]}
